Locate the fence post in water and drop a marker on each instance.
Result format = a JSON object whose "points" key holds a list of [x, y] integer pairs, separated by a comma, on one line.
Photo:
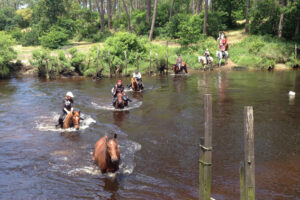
{"points": [[150, 62], [296, 51], [248, 166], [156, 62], [167, 57], [125, 62], [206, 152]]}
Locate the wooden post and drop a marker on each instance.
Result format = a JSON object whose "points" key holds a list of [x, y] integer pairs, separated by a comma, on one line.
{"points": [[167, 58], [109, 64], [156, 61], [98, 55], [150, 67], [125, 62], [206, 152], [296, 51], [249, 164], [242, 181], [137, 60]]}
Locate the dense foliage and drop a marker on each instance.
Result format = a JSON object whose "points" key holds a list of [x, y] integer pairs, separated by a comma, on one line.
{"points": [[7, 54]]}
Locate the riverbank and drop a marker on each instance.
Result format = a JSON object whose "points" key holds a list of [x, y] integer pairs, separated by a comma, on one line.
{"points": [[246, 52]]}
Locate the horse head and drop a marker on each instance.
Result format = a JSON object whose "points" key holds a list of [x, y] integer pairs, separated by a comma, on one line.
{"points": [[76, 119], [120, 101], [113, 149]]}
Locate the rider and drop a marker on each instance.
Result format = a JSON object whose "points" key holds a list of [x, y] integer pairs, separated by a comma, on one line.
{"points": [[178, 62], [225, 42], [118, 88], [67, 107], [138, 77], [207, 54]]}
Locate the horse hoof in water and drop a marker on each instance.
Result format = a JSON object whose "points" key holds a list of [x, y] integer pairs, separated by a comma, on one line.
{"points": [[107, 154]]}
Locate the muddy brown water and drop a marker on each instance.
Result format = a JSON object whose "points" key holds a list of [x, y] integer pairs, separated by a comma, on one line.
{"points": [[158, 136]]}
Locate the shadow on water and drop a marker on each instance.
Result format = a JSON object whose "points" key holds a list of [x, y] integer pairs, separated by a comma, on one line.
{"points": [[120, 116]]}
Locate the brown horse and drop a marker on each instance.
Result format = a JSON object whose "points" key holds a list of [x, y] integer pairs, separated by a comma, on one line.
{"points": [[107, 154], [120, 103], [183, 67], [72, 120], [135, 85]]}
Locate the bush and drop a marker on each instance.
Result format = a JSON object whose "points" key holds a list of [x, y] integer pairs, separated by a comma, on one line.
{"points": [[16, 34], [7, 54], [31, 38], [261, 51], [54, 39]]}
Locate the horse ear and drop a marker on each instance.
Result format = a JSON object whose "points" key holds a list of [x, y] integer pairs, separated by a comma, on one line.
{"points": [[115, 136]]}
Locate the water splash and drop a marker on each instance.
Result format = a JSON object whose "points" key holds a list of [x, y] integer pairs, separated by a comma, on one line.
{"points": [[105, 106], [47, 123]]}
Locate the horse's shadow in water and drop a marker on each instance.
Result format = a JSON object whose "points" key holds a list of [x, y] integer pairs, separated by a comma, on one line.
{"points": [[138, 95], [71, 135], [179, 83], [119, 117]]}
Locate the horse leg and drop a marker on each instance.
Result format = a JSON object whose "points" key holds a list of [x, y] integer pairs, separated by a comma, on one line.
{"points": [[220, 61]]}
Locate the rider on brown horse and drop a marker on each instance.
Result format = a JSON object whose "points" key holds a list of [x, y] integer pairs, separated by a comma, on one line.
{"points": [[118, 88], [138, 77], [179, 62], [67, 107]]}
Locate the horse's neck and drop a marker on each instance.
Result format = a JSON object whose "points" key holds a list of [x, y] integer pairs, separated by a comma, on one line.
{"points": [[68, 119]]}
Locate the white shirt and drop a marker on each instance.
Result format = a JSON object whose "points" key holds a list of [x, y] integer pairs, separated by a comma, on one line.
{"points": [[137, 76]]}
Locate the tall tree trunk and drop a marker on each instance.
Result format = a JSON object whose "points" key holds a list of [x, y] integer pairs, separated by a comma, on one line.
{"points": [[247, 16], [205, 17], [131, 6], [100, 8], [171, 9], [187, 6], [199, 7], [153, 20], [210, 5], [193, 7], [109, 14], [281, 19], [148, 10], [128, 16], [119, 9], [90, 4]]}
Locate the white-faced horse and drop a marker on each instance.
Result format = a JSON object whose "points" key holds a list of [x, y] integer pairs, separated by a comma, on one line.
{"points": [[220, 55], [203, 61]]}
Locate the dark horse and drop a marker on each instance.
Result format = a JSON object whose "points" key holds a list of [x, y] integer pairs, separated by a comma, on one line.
{"points": [[72, 120], [135, 85], [120, 102], [177, 70], [107, 154]]}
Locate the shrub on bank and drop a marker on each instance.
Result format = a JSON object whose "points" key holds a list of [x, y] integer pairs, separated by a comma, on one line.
{"points": [[54, 39], [7, 54], [261, 51]]}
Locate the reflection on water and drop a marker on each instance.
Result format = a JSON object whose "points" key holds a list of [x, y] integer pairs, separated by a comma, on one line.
{"points": [[158, 137]]}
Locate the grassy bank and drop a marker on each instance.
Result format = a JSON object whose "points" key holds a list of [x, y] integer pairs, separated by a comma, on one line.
{"points": [[262, 52]]}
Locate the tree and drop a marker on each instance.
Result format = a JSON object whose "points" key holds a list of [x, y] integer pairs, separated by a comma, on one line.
{"points": [[7, 53], [109, 14], [153, 20], [128, 16], [171, 8], [148, 11], [100, 8], [280, 27], [247, 16], [205, 17], [199, 7]]}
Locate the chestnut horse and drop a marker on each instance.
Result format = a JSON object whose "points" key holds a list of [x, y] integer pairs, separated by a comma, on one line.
{"points": [[72, 120], [120, 103], [183, 67], [135, 85], [107, 154]]}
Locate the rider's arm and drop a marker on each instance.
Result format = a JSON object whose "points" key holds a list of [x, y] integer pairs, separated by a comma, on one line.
{"points": [[65, 109], [113, 90]]}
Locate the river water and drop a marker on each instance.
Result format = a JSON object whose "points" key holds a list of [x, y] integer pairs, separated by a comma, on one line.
{"points": [[158, 136]]}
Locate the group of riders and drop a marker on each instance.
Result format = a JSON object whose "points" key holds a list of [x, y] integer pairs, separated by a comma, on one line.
{"points": [[136, 78], [223, 45], [118, 88]]}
